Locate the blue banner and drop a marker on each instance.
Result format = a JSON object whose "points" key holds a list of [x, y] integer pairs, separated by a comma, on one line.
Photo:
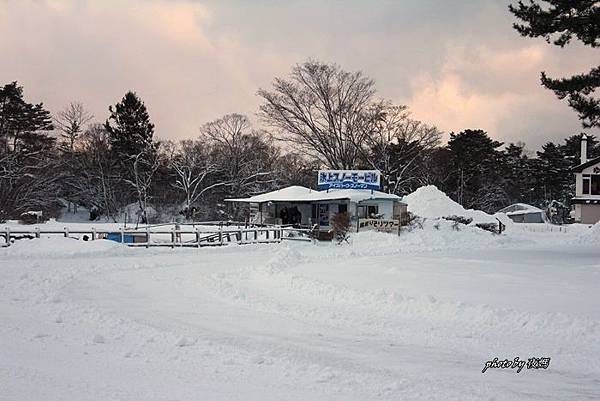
{"points": [[349, 179]]}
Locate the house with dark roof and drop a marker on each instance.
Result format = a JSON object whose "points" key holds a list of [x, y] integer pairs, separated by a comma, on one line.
{"points": [[587, 188]]}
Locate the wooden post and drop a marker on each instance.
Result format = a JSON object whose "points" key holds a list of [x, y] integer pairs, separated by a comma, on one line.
{"points": [[221, 235], [255, 235], [172, 238], [37, 232], [66, 233], [122, 235], [93, 234], [7, 234], [197, 238], [147, 237], [178, 233]]}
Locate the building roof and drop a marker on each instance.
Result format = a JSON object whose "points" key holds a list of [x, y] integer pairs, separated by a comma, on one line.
{"points": [[589, 163], [520, 208], [302, 194]]}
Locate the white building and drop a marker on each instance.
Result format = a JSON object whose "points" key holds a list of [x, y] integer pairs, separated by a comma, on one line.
{"points": [[524, 213], [306, 207], [587, 188]]}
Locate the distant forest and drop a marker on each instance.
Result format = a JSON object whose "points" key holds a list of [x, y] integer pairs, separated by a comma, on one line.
{"points": [[319, 116]]}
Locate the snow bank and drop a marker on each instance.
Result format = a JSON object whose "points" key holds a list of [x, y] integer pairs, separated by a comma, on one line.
{"points": [[591, 236], [435, 235], [431, 203], [59, 247]]}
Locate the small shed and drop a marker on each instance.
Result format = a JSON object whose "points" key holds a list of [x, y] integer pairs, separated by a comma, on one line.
{"points": [[524, 213], [301, 206]]}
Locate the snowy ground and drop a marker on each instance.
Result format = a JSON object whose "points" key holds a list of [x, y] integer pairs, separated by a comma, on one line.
{"points": [[386, 318]]}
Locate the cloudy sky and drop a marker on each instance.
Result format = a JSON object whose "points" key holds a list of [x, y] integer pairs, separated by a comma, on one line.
{"points": [[456, 64]]}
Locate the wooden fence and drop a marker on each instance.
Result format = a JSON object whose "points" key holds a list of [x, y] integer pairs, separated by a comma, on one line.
{"points": [[156, 238]]}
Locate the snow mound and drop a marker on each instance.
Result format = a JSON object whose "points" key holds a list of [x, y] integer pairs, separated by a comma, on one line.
{"points": [[436, 235], [60, 247], [431, 203], [591, 236]]}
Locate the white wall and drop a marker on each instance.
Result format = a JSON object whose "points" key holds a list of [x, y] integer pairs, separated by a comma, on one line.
{"points": [[384, 207]]}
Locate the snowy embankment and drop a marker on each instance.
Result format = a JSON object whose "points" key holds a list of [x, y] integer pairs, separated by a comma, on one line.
{"points": [[385, 317]]}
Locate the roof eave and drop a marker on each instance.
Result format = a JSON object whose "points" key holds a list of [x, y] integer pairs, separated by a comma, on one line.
{"points": [[583, 166]]}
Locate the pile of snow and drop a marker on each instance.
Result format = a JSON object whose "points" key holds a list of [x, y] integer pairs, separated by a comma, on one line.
{"points": [[435, 235], [591, 236], [431, 203]]}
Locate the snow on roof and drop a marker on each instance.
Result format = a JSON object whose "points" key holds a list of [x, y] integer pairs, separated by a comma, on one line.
{"points": [[520, 208], [302, 194]]}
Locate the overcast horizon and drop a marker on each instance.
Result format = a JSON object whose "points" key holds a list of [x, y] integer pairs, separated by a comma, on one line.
{"points": [[458, 66]]}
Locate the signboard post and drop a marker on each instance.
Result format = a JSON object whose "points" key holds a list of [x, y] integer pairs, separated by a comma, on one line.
{"points": [[349, 179]]}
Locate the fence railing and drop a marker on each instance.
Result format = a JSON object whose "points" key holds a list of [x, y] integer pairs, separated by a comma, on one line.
{"points": [[156, 238], [540, 227]]}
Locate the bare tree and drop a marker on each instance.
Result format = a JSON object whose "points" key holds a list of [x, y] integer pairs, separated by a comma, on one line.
{"points": [[245, 156], [398, 146], [194, 166], [71, 122], [144, 165], [321, 110], [28, 186], [94, 178]]}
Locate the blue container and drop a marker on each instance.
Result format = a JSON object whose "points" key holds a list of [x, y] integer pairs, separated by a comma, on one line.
{"points": [[127, 238]]}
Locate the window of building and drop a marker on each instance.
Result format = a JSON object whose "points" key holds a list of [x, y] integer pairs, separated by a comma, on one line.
{"points": [[342, 208], [591, 184], [595, 184], [586, 184], [368, 211]]}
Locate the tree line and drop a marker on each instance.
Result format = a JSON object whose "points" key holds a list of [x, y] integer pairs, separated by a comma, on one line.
{"points": [[319, 116]]}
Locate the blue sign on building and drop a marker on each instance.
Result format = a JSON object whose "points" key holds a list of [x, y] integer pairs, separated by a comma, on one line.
{"points": [[349, 179]]}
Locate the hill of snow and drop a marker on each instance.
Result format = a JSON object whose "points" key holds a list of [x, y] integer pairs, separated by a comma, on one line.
{"points": [[590, 236], [431, 203]]}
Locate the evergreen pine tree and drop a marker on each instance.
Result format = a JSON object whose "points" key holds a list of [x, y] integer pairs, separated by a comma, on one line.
{"points": [[553, 173], [129, 127], [558, 21], [476, 168], [518, 174], [24, 126], [28, 176], [131, 138]]}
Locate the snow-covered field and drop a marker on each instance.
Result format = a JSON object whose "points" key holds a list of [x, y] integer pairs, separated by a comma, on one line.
{"points": [[413, 317]]}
